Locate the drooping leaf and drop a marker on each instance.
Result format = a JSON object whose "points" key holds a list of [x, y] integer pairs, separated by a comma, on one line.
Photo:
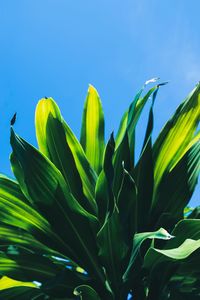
{"points": [[138, 239], [155, 256], [86, 292], [170, 262], [185, 229], [92, 131]]}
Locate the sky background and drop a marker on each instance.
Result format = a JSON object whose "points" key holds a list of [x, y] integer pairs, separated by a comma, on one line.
{"points": [[57, 47]]}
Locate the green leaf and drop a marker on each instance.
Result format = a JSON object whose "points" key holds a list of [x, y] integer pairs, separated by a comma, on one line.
{"points": [[12, 235], [176, 188], [6, 283], [46, 189], [44, 108], [138, 239], [53, 143], [185, 229], [181, 261], [122, 129], [175, 137], [63, 159], [144, 175], [104, 187], [155, 256], [92, 131], [133, 115], [22, 293], [127, 205], [87, 174], [52, 278], [18, 216], [26, 266], [112, 250], [86, 292], [121, 157]]}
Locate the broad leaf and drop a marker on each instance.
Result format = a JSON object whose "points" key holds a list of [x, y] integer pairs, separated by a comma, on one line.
{"points": [[51, 136], [138, 239], [176, 188], [46, 189], [176, 135]]}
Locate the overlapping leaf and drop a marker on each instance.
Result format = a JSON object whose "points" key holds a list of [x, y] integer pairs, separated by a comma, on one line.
{"points": [[176, 135], [176, 188], [52, 136], [46, 189], [138, 239]]}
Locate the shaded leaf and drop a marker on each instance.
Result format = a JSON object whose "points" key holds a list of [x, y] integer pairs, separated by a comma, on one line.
{"points": [[86, 292], [138, 239]]}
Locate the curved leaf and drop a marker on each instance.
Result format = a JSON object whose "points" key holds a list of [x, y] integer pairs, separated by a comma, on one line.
{"points": [[176, 135], [176, 188], [138, 239], [46, 189], [155, 256], [86, 292], [53, 143]]}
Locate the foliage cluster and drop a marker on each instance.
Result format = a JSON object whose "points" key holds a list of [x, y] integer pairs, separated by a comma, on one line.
{"points": [[85, 220]]}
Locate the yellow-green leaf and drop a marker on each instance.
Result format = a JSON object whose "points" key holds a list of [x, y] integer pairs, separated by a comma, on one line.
{"points": [[177, 135], [92, 132], [6, 283]]}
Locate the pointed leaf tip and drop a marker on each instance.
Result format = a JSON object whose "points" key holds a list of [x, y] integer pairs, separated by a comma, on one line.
{"points": [[91, 89], [13, 120], [151, 80]]}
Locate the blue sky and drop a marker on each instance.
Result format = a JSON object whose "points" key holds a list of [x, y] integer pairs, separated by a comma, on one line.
{"points": [[57, 47]]}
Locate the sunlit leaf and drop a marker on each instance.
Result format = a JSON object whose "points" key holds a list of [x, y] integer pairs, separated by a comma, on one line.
{"points": [[92, 131]]}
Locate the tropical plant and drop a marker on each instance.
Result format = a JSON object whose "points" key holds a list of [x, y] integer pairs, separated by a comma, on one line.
{"points": [[86, 220]]}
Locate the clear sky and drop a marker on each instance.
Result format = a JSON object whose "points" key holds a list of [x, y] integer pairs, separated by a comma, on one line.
{"points": [[57, 47]]}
